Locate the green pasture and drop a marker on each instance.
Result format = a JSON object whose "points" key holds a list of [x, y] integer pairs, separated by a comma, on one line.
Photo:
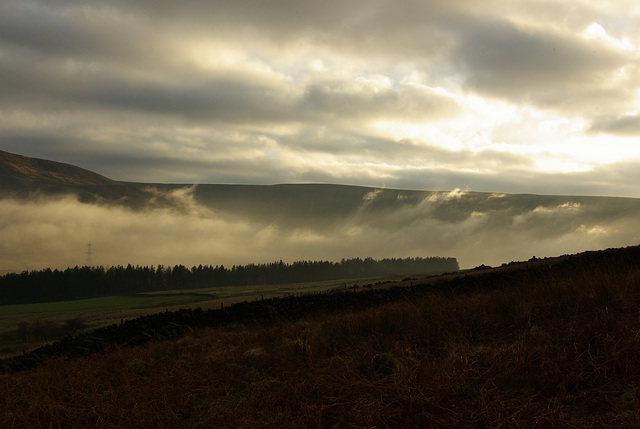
{"points": [[98, 312], [256, 291], [102, 304], [164, 299]]}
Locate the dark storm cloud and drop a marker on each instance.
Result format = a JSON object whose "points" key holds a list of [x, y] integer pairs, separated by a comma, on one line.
{"points": [[625, 125], [495, 56], [366, 100], [541, 67], [71, 85], [377, 26], [80, 31], [221, 96], [140, 31]]}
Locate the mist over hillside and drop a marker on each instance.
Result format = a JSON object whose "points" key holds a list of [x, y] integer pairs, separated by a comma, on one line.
{"points": [[23, 177], [49, 223]]}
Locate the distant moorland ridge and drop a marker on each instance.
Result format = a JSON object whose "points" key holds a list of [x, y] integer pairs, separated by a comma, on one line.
{"points": [[23, 177], [293, 204]]}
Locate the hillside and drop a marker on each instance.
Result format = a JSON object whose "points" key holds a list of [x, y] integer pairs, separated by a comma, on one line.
{"points": [[325, 204], [234, 224], [548, 342], [24, 177], [291, 204]]}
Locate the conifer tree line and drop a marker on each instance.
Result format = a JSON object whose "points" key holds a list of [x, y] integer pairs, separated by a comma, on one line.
{"points": [[90, 282]]}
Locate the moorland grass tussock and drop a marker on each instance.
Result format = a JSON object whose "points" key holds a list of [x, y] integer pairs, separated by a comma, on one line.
{"points": [[561, 350]]}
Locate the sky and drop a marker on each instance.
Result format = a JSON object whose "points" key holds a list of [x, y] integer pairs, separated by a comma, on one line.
{"points": [[528, 96]]}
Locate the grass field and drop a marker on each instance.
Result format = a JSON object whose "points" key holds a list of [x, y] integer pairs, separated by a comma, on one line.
{"points": [[102, 304], [98, 312]]}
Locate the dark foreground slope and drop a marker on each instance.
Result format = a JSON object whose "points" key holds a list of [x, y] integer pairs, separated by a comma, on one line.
{"points": [[547, 343]]}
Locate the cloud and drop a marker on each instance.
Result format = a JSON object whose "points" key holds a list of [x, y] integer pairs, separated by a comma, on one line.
{"points": [[625, 125], [418, 94], [539, 66], [475, 228], [374, 98]]}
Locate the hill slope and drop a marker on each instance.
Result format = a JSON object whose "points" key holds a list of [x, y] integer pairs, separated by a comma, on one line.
{"points": [[22, 177], [291, 204]]}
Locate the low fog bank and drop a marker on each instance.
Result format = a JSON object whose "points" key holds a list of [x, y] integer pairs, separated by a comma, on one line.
{"points": [[475, 228]]}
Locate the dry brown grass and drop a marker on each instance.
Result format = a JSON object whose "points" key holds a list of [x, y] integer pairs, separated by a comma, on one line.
{"points": [[560, 351]]}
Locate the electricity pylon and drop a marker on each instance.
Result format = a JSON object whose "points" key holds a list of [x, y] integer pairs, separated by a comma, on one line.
{"points": [[89, 255]]}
